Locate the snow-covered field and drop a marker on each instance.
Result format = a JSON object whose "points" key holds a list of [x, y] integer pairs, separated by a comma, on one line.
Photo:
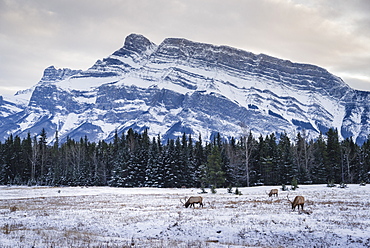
{"points": [[152, 217]]}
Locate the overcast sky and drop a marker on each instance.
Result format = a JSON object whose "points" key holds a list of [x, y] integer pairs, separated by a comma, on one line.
{"points": [[34, 34]]}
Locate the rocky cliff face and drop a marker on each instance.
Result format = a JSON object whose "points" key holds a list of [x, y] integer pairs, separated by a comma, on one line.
{"points": [[183, 86]]}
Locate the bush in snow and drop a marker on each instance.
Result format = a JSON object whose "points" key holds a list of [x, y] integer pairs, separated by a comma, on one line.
{"points": [[294, 184]]}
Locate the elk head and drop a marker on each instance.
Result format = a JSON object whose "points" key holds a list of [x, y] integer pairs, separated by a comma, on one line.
{"points": [[298, 201], [192, 200], [273, 192]]}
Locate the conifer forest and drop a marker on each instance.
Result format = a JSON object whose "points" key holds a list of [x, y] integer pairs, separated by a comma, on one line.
{"points": [[136, 160]]}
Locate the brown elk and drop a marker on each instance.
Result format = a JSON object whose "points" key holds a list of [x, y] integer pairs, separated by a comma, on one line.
{"points": [[192, 200], [298, 201], [273, 192]]}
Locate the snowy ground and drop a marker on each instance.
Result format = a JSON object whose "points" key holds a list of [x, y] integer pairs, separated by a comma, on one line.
{"points": [[151, 217]]}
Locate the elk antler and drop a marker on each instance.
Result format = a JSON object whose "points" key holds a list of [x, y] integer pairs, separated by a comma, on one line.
{"points": [[183, 203], [287, 196]]}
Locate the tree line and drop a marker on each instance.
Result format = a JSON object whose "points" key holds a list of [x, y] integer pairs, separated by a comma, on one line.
{"points": [[134, 159]]}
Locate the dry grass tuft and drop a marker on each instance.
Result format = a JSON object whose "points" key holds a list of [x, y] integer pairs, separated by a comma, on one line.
{"points": [[6, 229], [13, 208]]}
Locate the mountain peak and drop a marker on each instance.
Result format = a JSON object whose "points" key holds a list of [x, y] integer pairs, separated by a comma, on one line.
{"points": [[138, 43], [52, 74]]}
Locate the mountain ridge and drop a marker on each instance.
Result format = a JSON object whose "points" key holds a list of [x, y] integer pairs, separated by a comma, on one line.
{"points": [[184, 86]]}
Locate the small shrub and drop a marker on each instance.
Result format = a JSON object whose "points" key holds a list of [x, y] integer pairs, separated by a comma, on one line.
{"points": [[203, 190], [230, 190], [331, 184], [343, 185], [284, 187], [294, 184], [238, 192], [213, 190]]}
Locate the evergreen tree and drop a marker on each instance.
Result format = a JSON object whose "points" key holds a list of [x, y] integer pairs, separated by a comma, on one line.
{"points": [[120, 156], [26, 148], [364, 166], [142, 155], [179, 166], [103, 160], [3, 169], [319, 157], [333, 161], [268, 159], [214, 176], [169, 165], [6, 163], [152, 172], [234, 169], [200, 159], [56, 168], [285, 162], [43, 157], [185, 158], [17, 163], [193, 170]]}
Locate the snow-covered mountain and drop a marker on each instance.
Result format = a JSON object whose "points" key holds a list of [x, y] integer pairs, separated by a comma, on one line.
{"points": [[183, 86]]}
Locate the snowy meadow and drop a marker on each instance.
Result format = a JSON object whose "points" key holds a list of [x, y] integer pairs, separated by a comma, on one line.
{"points": [[154, 217]]}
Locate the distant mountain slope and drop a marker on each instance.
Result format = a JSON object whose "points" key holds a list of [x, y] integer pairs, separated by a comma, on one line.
{"points": [[183, 86]]}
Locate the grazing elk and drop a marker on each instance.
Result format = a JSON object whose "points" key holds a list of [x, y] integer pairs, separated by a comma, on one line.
{"points": [[192, 200], [273, 192], [298, 201]]}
